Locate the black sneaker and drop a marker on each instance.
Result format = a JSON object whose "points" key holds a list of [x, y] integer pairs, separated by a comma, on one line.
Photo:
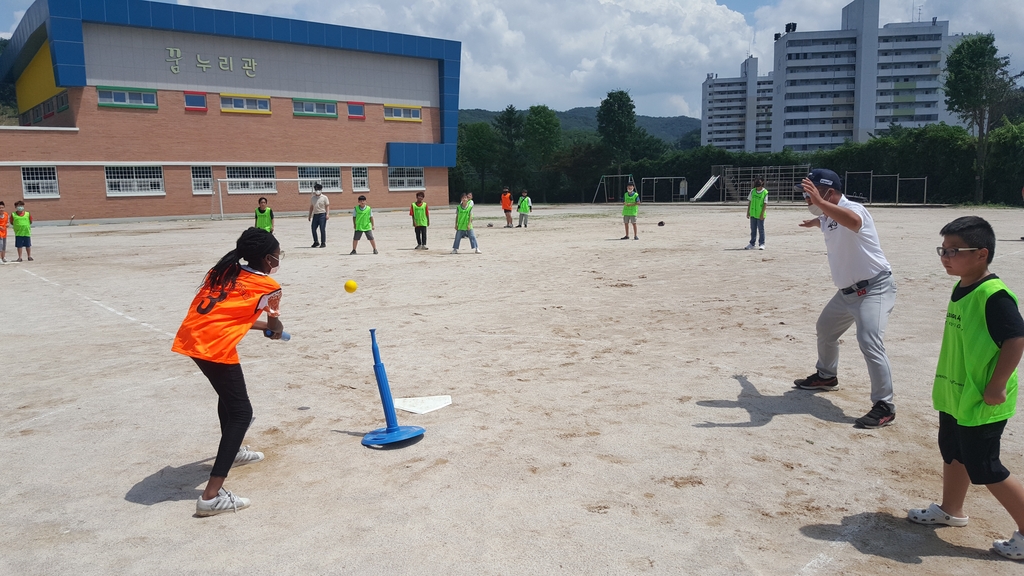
{"points": [[315, 245], [352, 252], [816, 382], [324, 245], [626, 237], [881, 415]]}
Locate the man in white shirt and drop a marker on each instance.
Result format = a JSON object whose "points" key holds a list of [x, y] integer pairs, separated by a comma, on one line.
{"points": [[319, 213], [866, 292]]}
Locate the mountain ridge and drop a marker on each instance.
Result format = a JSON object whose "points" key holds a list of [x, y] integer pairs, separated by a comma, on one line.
{"points": [[668, 128]]}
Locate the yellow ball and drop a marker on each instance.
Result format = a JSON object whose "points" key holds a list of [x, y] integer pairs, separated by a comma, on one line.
{"points": [[351, 286]]}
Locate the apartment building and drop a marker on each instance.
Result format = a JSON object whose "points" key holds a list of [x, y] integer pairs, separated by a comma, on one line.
{"points": [[738, 111]]}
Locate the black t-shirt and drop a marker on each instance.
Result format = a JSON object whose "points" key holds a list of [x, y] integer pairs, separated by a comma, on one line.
{"points": [[1001, 313]]}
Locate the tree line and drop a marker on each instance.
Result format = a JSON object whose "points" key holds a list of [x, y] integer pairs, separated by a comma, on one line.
{"points": [[981, 163]]}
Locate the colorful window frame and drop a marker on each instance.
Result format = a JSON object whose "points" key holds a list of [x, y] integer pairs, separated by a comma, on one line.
{"points": [[315, 108], [356, 110], [62, 101], [48, 108], [37, 114], [397, 112], [196, 102], [120, 97], [26, 118], [245, 104]]}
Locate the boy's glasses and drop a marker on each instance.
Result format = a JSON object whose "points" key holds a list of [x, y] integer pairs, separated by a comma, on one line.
{"points": [[950, 252]]}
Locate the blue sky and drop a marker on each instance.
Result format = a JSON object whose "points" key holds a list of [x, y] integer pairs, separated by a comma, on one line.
{"points": [[571, 53]]}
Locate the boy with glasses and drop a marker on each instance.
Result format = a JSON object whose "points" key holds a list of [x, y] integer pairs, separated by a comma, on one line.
{"points": [[975, 387]]}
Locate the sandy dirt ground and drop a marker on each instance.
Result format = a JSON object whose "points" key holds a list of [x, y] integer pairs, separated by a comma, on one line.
{"points": [[619, 407]]}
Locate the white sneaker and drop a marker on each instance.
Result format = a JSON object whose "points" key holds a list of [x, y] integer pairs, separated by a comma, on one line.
{"points": [[748, 247], [455, 251], [246, 456], [761, 247], [225, 501], [1012, 548], [477, 251]]}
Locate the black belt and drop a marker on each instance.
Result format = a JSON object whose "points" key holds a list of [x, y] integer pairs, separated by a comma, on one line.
{"points": [[864, 283], [858, 286]]}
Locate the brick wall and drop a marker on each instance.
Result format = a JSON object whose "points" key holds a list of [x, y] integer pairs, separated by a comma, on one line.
{"points": [[172, 134]]}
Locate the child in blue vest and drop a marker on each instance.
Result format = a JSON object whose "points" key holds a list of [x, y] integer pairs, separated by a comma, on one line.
{"points": [[975, 389]]}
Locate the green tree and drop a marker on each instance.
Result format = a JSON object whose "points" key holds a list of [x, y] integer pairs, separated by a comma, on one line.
{"points": [[478, 144], [645, 146], [979, 88], [8, 100], [543, 136], [689, 141], [616, 123], [510, 129]]}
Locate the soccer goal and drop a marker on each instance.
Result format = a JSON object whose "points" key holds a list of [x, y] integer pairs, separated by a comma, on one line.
{"points": [[229, 190]]}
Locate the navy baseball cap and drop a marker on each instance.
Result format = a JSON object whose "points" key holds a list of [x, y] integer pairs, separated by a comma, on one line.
{"points": [[827, 178]]}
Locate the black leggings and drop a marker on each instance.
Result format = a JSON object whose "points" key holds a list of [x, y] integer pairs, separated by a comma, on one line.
{"points": [[421, 235], [233, 408]]}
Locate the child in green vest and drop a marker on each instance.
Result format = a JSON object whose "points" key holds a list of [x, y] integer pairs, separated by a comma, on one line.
{"points": [[975, 389], [264, 217], [362, 221], [757, 202], [21, 220], [464, 225], [525, 207], [420, 220], [630, 208]]}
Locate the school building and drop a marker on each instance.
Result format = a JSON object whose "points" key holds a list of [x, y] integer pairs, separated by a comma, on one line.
{"points": [[144, 109]]}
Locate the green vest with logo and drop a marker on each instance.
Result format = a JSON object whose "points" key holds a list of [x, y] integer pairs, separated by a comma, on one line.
{"points": [[463, 217], [263, 220], [757, 201], [21, 224], [524, 204], [634, 209], [363, 219], [967, 360], [419, 214]]}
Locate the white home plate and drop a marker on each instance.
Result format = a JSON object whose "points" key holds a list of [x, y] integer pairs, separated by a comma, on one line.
{"points": [[422, 405]]}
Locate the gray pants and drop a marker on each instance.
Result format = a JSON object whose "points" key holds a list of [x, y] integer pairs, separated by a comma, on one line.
{"points": [[523, 217], [871, 314]]}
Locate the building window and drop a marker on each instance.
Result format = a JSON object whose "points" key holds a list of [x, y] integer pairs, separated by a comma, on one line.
{"points": [[37, 114], [245, 104], [356, 111], [324, 108], [39, 182], [251, 179], [196, 101], [62, 101], [26, 119], [126, 97], [135, 180], [328, 176], [360, 178], [48, 108], [404, 113], [202, 180], [405, 178]]}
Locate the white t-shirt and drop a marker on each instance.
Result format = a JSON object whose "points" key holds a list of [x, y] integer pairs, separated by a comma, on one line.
{"points": [[853, 256], [320, 203]]}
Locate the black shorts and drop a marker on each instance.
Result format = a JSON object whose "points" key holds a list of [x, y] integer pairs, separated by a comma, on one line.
{"points": [[359, 234], [976, 447]]}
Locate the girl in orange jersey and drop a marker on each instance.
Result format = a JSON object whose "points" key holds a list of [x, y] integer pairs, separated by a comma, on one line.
{"points": [[229, 303]]}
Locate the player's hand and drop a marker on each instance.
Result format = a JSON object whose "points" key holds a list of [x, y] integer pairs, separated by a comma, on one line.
{"points": [[994, 395], [274, 325], [815, 223]]}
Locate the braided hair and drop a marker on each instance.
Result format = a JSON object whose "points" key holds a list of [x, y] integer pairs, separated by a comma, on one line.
{"points": [[252, 246]]}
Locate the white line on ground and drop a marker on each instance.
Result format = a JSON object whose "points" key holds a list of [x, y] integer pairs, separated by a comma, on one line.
{"points": [[829, 555], [102, 305]]}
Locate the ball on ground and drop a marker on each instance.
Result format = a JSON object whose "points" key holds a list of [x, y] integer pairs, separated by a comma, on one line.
{"points": [[351, 286]]}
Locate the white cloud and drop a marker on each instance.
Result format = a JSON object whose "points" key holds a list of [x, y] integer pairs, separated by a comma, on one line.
{"points": [[17, 18], [571, 53]]}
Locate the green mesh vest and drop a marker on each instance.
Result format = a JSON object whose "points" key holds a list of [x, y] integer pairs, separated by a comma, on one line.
{"points": [[967, 360]]}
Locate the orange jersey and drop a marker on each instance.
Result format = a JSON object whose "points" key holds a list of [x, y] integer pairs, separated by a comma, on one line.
{"points": [[506, 201], [217, 321], [5, 220]]}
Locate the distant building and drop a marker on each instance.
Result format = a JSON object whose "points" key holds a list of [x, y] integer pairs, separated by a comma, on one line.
{"points": [[837, 85], [135, 109], [738, 111]]}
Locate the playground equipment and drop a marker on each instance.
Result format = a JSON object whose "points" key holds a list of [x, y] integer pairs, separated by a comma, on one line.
{"points": [[614, 186], [888, 189], [666, 188]]}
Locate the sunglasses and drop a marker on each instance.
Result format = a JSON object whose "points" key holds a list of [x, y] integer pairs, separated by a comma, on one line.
{"points": [[950, 252]]}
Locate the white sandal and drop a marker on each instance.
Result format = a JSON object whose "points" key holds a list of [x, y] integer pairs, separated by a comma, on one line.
{"points": [[1012, 548], [935, 515]]}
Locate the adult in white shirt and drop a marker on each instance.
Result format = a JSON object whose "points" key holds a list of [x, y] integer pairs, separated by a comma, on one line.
{"points": [[319, 213], [866, 292]]}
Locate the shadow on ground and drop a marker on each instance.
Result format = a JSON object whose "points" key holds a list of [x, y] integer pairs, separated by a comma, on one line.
{"points": [[171, 484], [886, 536], [763, 408]]}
